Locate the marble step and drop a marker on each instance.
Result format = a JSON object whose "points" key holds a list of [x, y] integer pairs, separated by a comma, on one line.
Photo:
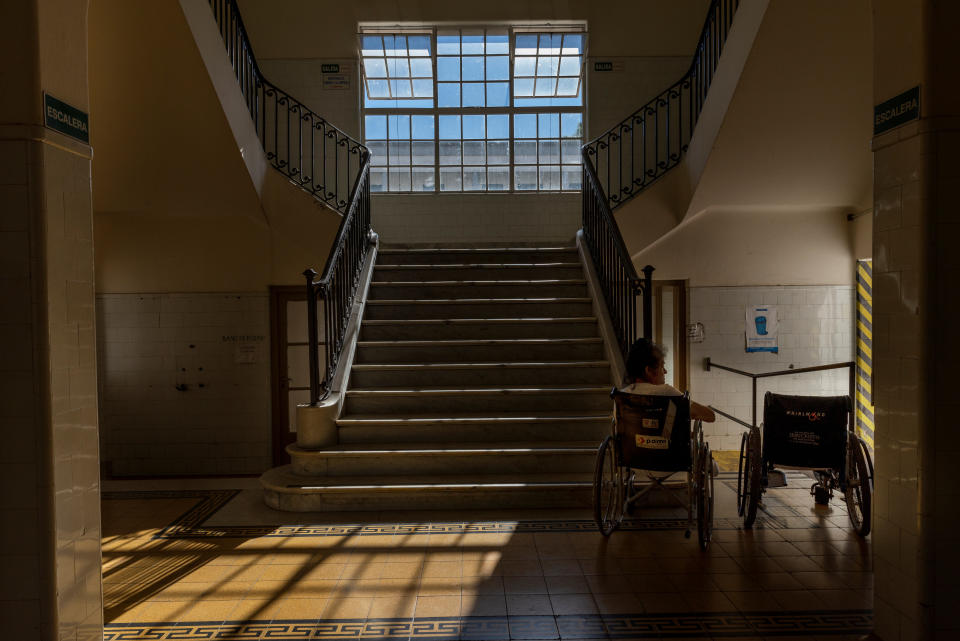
{"points": [[459, 256], [476, 427], [395, 459], [400, 402], [479, 271], [472, 289], [483, 350], [525, 307], [465, 374], [285, 490], [478, 328]]}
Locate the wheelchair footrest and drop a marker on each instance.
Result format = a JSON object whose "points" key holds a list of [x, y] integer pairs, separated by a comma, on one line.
{"points": [[776, 478]]}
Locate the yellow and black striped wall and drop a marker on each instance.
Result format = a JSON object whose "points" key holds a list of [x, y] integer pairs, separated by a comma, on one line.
{"points": [[865, 351]]}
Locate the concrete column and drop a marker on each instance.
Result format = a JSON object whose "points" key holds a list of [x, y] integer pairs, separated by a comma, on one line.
{"points": [[49, 472], [916, 346]]}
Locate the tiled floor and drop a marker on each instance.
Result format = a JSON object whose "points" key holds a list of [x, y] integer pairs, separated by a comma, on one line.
{"points": [[215, 563]]}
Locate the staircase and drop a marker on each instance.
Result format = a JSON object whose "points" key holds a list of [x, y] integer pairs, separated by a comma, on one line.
{"points": [[479, 381]]}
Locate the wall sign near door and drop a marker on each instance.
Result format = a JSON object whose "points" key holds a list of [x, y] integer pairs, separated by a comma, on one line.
{"points": [[66, 119], [896, 111]]}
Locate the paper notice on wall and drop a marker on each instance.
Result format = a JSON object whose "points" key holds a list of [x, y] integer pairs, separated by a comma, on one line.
{"points": [[336, 77], [761, 329]]}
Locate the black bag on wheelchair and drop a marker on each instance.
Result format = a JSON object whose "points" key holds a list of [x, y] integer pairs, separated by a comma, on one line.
{"points": [[805, 431], [654, 431]]}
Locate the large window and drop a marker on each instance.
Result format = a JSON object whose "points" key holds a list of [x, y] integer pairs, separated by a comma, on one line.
{"points": [[473, 109]]}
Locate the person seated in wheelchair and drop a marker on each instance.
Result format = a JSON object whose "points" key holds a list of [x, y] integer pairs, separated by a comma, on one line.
{"points": [[647, 375]]}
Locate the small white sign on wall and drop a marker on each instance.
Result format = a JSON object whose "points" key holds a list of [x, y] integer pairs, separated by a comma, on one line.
{"points": [[761, 329]]}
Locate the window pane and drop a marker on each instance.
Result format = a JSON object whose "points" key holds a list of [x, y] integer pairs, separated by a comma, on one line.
{"points": [[572, 178], [571, 125], [422, 127], [526, 44], [548, 126], [399, 153], [498, 152], [472, 42], [525, 152], [419, 45], [399, 179], [523, 86], [474, 152], [498, 68], [498, 178], [423, 179], [474, 178], [498, 94], [473, 127], [571, 151], [375, 67], [402, 88], [472, 68], [448, 68], [378, 152], [395, 45], [550, 44], [423, 88], [399, 127], [498, 43], [550, 152], [371, 46], [572, 43], [546, 87], [398, 68], [568, 86], [378, 89], [378, 179], [547, 65], [525, 126], [450, 179], [423, 152], [449, 127], [570, 66], [524, 178], [448, 43], [421, 68], [550, 178], [448, 94], [449, 153], [473, 94], [524, 66], [375, 127], [498, 126]]}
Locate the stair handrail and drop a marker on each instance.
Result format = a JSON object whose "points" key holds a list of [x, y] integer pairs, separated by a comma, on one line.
{"points": [[346, 191], [664, 127], [331, 173], [619, 281]]}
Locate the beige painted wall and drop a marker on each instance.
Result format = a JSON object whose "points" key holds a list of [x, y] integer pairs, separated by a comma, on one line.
{"points": [[175, 206]]}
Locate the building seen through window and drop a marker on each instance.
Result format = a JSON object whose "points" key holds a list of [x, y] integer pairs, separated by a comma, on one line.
{"points": [[455, 110]]}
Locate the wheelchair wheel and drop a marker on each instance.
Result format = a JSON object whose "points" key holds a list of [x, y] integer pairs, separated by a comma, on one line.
{"points": [[705, 498], [859, 487], [608, 487], [748, 478]]}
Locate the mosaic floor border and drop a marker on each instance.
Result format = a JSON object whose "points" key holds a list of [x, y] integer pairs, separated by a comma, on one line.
{"points": [[190, 524], [613, 626]]}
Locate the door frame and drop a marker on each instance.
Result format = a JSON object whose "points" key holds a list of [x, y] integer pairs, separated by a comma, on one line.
{"points": [[281, 436], [681, 369]]}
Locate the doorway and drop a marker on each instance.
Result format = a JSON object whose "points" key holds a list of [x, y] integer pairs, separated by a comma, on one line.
{"points": [[669, 323]]}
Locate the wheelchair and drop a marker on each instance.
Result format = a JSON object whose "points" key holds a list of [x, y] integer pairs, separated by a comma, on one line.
{"points": [[652, 436], [812, 433]]}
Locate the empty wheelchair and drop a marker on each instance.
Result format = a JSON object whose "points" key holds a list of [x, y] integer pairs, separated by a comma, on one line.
{"points": [[651, 441], [812, 433]]}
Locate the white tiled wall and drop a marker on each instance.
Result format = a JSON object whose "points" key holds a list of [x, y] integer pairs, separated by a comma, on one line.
{"points": [[215, 347], [816, 328]]}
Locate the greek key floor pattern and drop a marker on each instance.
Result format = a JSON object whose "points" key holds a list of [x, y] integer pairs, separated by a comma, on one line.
{"points": [[198, 562]]}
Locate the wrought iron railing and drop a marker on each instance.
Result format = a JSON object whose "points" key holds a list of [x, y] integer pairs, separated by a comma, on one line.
{"points": [[622, 287], [622, 162], [318, 157], [324, 161], [645, 145]]}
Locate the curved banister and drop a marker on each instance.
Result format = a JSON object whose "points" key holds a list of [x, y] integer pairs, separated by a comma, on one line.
{"points": [[627, 158], [323, 161]]}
